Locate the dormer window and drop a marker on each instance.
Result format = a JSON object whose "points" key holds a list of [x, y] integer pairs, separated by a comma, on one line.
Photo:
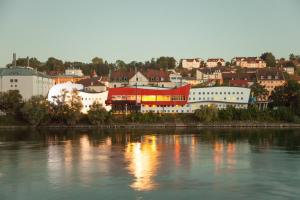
{"points": [[269, 77]]}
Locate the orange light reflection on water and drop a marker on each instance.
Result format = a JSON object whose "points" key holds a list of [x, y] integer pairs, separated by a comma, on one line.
{"points": [[143, 163]]}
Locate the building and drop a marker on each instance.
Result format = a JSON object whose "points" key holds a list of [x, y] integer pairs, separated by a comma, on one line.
{"points": [[180, 100], [87, 98], [191, 63], [92, 84], [209, 75], [249, 62], [289, 69], [221, 97], [270, 78], [151, 77], [215, 62], [27, 80], [239, 78], [73, 72], [141, 99], [176, 78]]}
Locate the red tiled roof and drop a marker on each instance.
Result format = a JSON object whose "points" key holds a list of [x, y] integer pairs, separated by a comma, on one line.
{"points": [[90, 82], [156, 75], [215, 60]]}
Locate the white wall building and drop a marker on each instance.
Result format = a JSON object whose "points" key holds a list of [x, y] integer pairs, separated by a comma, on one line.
{"points": [[73, 72], [191, 63], [87, 98], [221, 97], [215, 62], [28, 81]]}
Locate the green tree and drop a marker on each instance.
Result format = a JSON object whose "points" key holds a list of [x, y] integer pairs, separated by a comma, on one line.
{"points": [[206, 113], [97, 114], [269, 58], [286, 95], [259, 91], [54, 64], [36, 110], [11, 102], [97, 61]]}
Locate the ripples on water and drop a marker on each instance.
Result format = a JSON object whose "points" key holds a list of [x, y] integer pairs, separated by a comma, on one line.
{"points": [[147, 164]]}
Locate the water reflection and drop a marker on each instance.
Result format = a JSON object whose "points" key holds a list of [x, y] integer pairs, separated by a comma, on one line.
{"points": [[143, 162], [106, 161]]}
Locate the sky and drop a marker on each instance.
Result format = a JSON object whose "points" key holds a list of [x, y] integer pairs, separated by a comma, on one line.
{"points": [[78, 30]]}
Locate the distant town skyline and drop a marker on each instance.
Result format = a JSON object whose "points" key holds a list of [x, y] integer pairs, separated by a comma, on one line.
{"points": [[140, 30]]}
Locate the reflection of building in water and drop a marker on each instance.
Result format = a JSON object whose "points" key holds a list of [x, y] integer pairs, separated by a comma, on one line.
{"points": [[224, 157], [143, 162]]}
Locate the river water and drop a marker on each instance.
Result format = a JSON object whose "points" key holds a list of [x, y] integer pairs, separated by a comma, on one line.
{"points": [[150, 164]]}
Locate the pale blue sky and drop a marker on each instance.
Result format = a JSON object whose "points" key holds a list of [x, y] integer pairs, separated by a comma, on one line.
{"points": [[139, 29]]}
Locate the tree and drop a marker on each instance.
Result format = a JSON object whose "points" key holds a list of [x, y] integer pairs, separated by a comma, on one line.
{"points": [[66, 107], [36, 110], [286, 95], [259, 91], [97, 114], [11, 102], [165, 63], [269, 58], [97, 61], [54, 64], [206, 113]]}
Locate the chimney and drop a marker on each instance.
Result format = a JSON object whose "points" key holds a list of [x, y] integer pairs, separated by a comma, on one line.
{"points": [[14, 63]]}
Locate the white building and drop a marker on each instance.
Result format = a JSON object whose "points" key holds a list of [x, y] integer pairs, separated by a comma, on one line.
{"points": [[215, 62], [27, 80], [191, 63], [221, 97], [73, 72], [87, 98]]}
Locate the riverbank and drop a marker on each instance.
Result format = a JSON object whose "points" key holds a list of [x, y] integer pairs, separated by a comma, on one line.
{"points": [[165, 125]]}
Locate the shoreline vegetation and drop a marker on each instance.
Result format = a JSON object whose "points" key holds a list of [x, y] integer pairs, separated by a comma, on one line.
{"points": [[160, 125]]}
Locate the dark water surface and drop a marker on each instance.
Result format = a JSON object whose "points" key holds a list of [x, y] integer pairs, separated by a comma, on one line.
{"points": [[150, 164]]}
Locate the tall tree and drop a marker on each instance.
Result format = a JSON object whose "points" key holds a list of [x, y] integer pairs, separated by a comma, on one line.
{"points": [[269, 58], [11, 102]]}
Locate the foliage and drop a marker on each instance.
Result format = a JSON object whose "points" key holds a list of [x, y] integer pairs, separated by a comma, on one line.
{"points": [[67, 108], [259, 91], [206, 114], [36, 110], [11, 102], [97, 114], [269, 58]]}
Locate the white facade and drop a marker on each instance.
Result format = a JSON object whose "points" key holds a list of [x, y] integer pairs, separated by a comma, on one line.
{"points": [[221, 97], [28, 81], [87, 98], [191, 63], [213, 62], [138, 79], [73, 72]]}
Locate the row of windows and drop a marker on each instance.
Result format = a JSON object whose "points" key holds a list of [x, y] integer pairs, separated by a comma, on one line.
{"points": [[166, 111], [212, 98], [13, 80], [90, 98], [218, 93]]}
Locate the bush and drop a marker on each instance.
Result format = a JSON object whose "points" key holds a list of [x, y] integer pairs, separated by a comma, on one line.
{"points": [[97, 114], [206, 114], [36, 110]]}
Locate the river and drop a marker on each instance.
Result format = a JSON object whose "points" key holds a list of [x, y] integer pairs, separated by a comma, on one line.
{"points": [[150, 164]]}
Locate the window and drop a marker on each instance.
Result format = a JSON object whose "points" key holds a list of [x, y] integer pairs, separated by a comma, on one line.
{"points": [[16, 80], [228, 92], [11, 80]]}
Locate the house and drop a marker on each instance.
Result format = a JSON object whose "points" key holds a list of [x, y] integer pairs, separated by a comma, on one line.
{"points": [[215, 62], [120, 78], [92, 84], [191, 63], [73, 72], [249, 62], [270, 78], [150, 77], [176, 78], [209, 74], [239, 78], [289, 69], [27, 80]]}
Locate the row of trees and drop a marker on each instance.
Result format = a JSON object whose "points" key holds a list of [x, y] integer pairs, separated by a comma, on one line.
{"points": [[101, 66]]}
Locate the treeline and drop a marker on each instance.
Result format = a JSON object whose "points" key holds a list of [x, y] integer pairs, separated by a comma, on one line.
{"points": [[101, 66]]}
